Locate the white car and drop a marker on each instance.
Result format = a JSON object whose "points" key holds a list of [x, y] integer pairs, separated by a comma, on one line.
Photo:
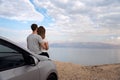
{"points": [[17, 63]]}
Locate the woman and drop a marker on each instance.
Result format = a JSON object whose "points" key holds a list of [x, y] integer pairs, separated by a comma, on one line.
{"points": [[41, 31]]}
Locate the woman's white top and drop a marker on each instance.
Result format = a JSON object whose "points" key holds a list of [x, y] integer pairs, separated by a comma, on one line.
{"points": [[43, 50]]}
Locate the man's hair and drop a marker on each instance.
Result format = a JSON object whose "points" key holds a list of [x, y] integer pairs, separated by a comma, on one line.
{"points": [[33, 27]]}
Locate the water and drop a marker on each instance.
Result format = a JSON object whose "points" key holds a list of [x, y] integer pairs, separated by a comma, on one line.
{"points": [[84, 56]]}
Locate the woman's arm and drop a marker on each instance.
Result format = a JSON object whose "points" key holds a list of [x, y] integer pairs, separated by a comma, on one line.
{"points": [[46, 45]]}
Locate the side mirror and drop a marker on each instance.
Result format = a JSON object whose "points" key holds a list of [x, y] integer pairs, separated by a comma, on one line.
{"points": [[31, 60], [34, 60]]}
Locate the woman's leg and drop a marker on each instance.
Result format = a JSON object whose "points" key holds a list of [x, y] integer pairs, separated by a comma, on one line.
{"points": [[45, 54]]}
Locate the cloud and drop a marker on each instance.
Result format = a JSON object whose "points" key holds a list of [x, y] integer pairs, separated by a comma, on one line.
{"points": [[71, 11], [21, 10], [76, 21], [114, 40], [83, 20], [97, 3]]}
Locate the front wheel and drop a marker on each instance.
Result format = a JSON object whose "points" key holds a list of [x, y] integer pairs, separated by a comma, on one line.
{"points": [[52, 77]]}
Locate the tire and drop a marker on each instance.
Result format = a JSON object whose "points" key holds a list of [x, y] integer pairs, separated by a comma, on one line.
{"points": [[52, 77]]}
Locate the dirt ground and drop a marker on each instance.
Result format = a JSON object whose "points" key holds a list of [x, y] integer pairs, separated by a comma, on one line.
{"points": [[69, 71]]}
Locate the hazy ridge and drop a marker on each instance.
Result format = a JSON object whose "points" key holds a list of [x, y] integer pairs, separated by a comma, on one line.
{"points": [[80, 45], [85, 45]]}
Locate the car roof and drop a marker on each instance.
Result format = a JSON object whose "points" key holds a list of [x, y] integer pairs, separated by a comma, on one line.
{"points": [[6, 39], [10, 41]]}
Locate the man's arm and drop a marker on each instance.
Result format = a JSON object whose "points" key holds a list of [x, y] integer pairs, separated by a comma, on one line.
{"points": [[27, 43]]}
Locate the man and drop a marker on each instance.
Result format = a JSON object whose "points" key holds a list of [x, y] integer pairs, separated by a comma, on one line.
{"points": [[34, 41]]}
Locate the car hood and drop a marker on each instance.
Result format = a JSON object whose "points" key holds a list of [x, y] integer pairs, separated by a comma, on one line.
{"points": [[41, 58]]}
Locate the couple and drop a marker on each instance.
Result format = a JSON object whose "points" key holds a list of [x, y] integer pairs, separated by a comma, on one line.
{"points": [[36, 41]]}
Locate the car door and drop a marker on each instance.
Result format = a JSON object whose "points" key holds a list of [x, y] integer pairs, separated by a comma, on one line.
{"points": [[13, 65]]}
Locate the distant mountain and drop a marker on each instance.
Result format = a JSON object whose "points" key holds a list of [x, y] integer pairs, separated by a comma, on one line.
{"points": [[85, 45]]}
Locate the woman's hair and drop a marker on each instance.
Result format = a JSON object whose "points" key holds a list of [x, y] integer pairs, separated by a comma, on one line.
{"points": [[41, 31]]}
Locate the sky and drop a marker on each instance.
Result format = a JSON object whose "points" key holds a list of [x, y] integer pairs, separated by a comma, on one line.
{"points": [[64, 20]]}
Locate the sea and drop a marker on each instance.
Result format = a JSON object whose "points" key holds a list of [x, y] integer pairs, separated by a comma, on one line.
{"points": [[85, 56]]}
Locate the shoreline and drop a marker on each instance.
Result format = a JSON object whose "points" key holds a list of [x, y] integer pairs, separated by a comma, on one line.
{"points": [[71, 71]]}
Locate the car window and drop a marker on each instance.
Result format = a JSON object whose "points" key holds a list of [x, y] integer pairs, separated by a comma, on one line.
{"points": [[10, 58]]}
